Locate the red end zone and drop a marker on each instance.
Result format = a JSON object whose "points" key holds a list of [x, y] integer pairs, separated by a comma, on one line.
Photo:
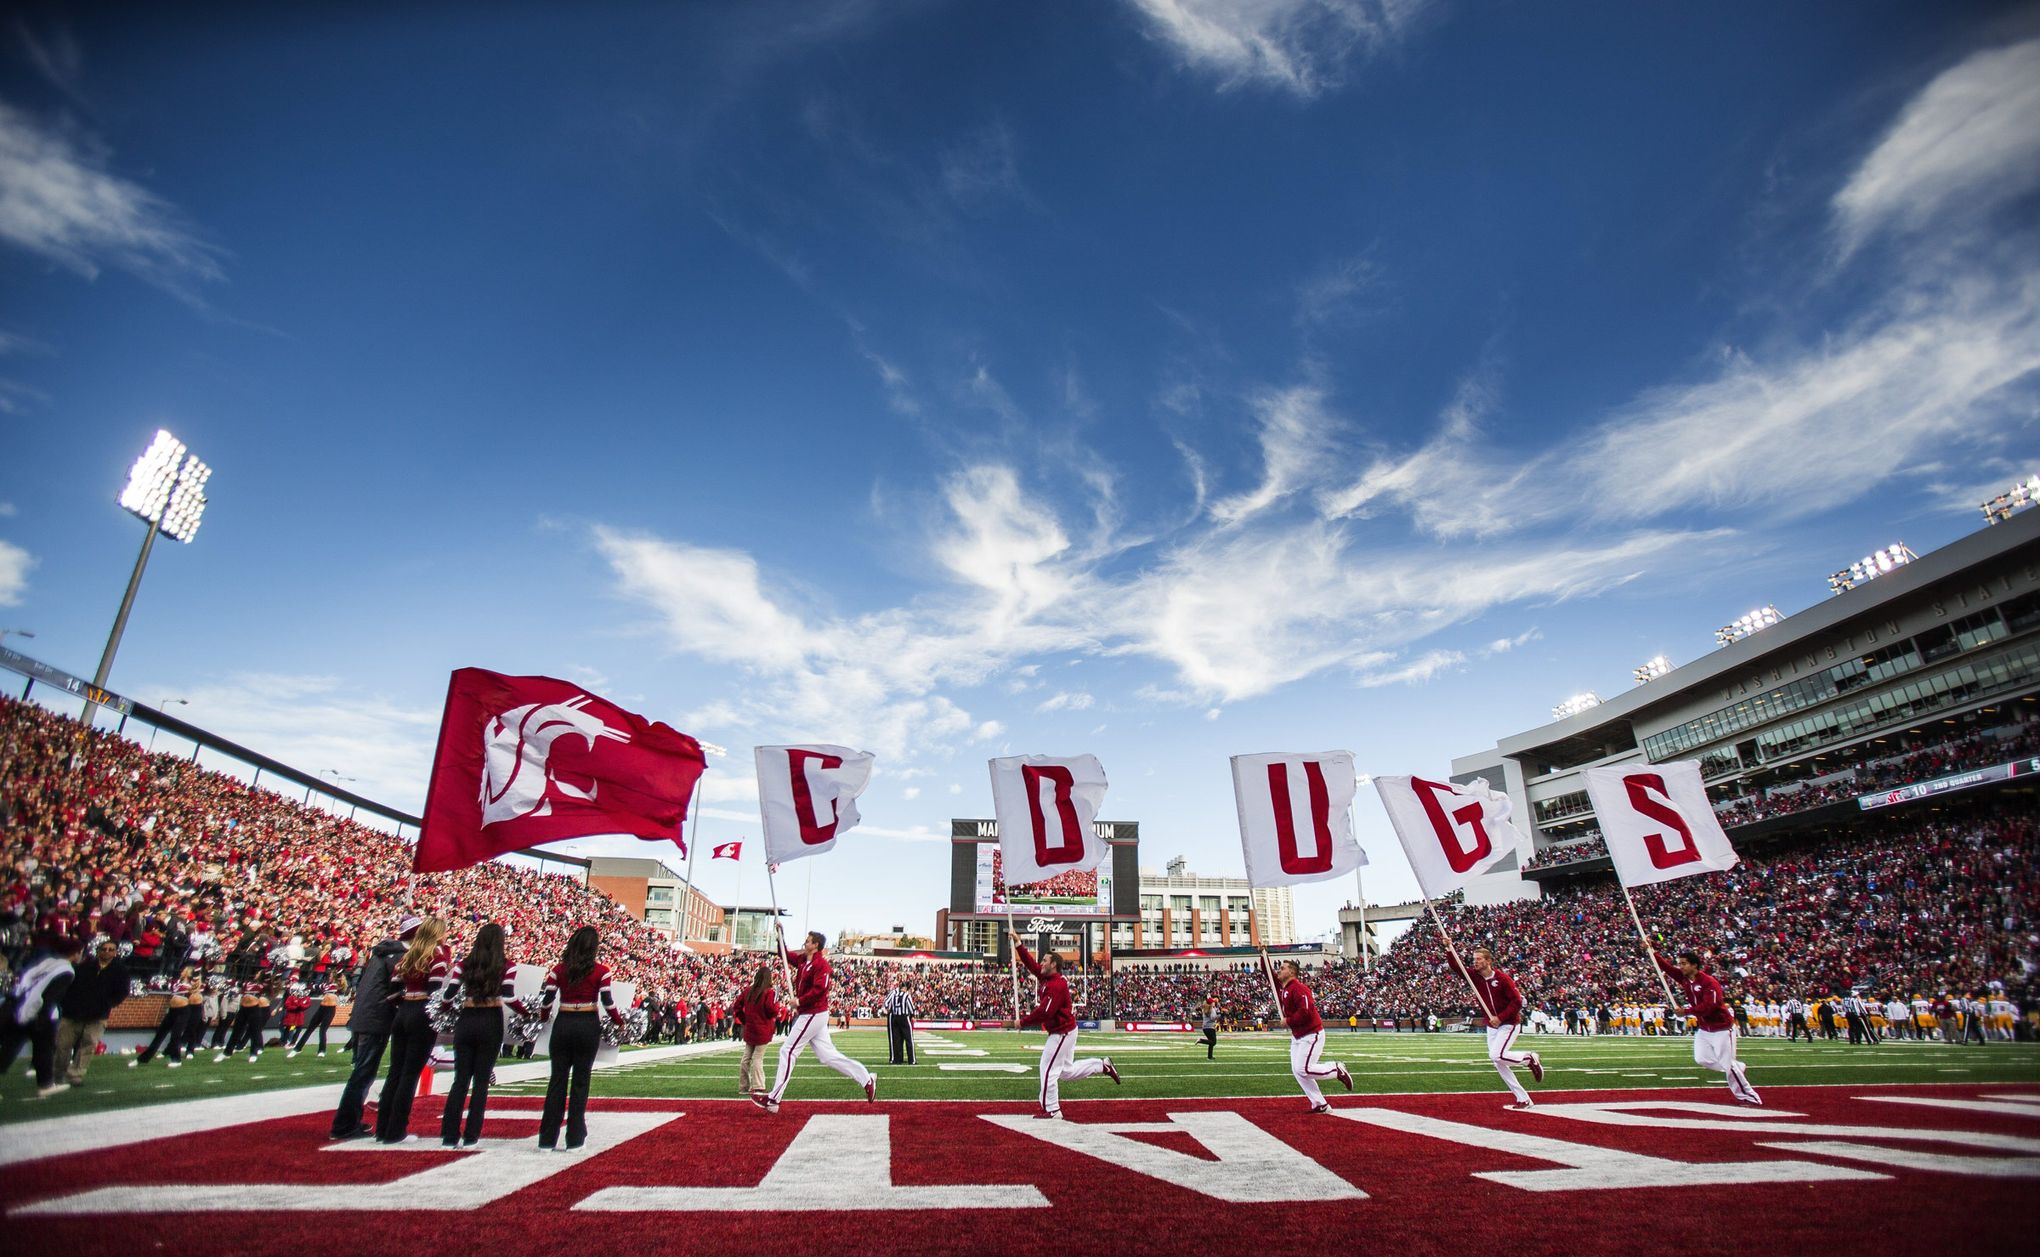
{"points": [[1586, 1171]]}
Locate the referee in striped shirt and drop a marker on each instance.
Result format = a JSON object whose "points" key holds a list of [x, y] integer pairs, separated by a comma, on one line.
{"points": [[899, 1022]]}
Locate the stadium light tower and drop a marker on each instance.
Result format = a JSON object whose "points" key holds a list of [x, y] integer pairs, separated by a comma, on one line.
{"points": [[1651, 669], [2013, 500], [1871, 566], [1575, 705], [166, 491], [1744, 625]]}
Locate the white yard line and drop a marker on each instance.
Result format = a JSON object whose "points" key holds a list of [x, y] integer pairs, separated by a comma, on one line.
{"points": [[92, 1132]]}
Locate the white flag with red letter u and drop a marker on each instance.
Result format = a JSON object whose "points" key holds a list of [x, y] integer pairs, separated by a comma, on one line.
{"points": [[807, 796], [1657, 822], [1452, 834], [1296, 823], [1045, 806]]}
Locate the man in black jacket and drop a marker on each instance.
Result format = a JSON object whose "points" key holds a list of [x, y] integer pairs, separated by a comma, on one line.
{"points": [[368, 1029], [98, 985], [29, 1013]]}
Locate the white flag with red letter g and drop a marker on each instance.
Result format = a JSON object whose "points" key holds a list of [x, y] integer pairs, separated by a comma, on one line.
{"points": [[1657, 822], [807, 796], [1045, 806], [1452, 834], [1295, 820]]}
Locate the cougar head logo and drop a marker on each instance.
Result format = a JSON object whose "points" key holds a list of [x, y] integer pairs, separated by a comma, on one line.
{"points": [[517, 776]]}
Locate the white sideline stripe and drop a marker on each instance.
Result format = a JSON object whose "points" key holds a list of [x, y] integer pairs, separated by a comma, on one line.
{"points": [[2010, 1106], [88, 1132]]}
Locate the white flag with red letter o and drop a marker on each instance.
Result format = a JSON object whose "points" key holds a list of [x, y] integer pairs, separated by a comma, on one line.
{"points": [[1046, 806], [1657, 822], [807, 796], [1452, 834], [1296, 823]]}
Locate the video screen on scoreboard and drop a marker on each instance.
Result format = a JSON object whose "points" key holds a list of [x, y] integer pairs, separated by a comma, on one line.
{"points": [[1067, 894]]}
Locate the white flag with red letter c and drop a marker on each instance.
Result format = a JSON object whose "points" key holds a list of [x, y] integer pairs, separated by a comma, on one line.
{"points": [[1046, 806], [1657, 822], [1296, 823], [807, 796], [1452, 834]]}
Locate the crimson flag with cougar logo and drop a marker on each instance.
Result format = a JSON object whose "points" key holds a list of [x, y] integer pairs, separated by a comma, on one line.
{"points": [[530, 760]]}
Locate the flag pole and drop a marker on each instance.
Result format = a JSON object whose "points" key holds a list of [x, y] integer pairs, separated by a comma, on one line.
{"points": [[1267, 966], [738, 901], [1013, 962], [1649, 952], [1457, 963], [693, 841], [785, 969]]}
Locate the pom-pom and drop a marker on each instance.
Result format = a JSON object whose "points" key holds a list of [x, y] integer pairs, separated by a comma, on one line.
{"points": [[523, 1027], [442, 1014]]}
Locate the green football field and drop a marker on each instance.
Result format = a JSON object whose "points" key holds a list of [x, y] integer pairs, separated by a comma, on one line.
{"points": [[1000, 1065]]}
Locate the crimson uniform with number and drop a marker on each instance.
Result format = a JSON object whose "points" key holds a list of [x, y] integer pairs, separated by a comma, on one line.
{"points": [[1504, 1005], [1714, 1031], [810, 1029], [1056, 1014], [1306, 1040]]}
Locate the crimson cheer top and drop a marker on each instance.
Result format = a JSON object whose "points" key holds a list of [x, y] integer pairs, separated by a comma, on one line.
{"points": [[759, 1016], [455, 992], [1497, 992], [1052, 1009], [810, 982], [1299, 1010], [589, 990], [1703, 996], [429, 982]]}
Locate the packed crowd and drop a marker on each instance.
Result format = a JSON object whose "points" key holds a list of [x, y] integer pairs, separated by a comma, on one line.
{"points": [[188, 869], [1591, 847]]}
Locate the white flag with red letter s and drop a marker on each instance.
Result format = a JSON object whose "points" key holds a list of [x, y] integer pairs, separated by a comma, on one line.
{"points": [[807, 796], [1045, 806], [1452, 834], [1657, 822], [1295, 819]]}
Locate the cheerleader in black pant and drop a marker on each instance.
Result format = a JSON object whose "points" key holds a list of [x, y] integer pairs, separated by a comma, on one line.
{"points": [[581, 985], [481, 984], [246, 1022], [418, 978], [171, 1032], [323, 1013]]}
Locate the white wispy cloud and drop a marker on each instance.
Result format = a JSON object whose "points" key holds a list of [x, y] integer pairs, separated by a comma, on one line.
{"points": [[1297, 435], [1065, 700], [1299, 46], [1416, 671], [983, 167], [1965, 146], [15, 565], [61, 200]]}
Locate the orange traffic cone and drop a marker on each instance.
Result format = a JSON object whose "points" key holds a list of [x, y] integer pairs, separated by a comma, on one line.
{"points": [[425, 1082]]}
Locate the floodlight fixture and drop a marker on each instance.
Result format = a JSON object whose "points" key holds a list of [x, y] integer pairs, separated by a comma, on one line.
{"points": [[1871, 566], [1575, 705], [1651, 669], [2013, 500], [166, 491], [1744, 625]]}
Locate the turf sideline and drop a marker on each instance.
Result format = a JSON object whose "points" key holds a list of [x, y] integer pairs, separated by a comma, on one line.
{"points": [[112, 1128]]}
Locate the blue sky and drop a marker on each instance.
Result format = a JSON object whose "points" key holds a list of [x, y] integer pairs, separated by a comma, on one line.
{"points": [[1164, 379]]}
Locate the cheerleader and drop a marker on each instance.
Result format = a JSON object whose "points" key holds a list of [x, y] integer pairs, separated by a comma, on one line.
{"points": [[481, 984], [419, 976], [581, 985], [247, 1022], [172, 1030], [323, 1014]]}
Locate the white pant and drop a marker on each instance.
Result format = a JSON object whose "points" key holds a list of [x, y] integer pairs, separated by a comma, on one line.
{"points": [[1499, 1040], [1304, 1063], [1059, 1065], [1715, 1050], [811, 1030]]}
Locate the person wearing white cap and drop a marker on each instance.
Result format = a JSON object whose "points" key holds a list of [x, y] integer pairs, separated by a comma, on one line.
{"points": [[368, 1028]]}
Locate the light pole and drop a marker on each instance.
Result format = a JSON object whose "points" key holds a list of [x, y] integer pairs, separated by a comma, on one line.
{"points": [[166, 491], [4, 633], [153, 729], [334, 773]]}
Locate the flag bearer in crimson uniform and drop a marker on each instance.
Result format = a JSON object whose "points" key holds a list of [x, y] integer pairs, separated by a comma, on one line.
{"points": [[1504, 1006], [810, 1027], [1057, 1017], [1714, 1031], [1306, 1034]]}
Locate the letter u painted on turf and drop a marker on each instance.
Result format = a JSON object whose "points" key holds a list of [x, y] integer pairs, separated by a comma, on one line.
{"points": [[1460, 856]]}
